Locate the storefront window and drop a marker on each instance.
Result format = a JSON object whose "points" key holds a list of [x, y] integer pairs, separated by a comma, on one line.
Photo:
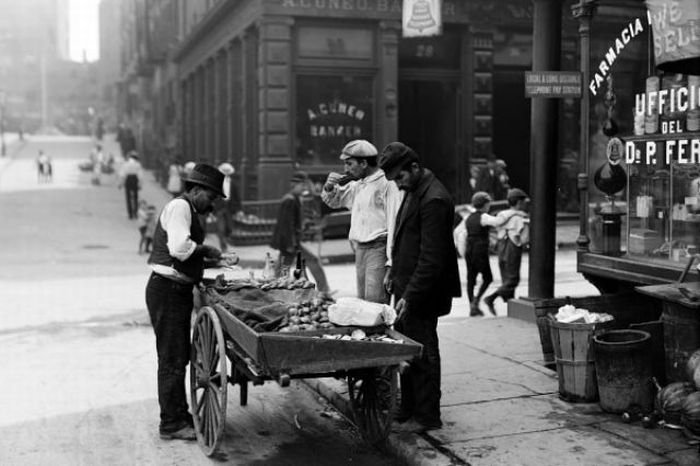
{"points": [[664, 170], [331, 110]]}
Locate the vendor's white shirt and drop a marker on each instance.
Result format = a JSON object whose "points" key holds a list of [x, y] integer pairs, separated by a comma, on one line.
{"points": [[374, 203], [176, 219]]}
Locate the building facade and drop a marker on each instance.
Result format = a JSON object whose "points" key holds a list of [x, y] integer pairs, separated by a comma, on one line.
{"points": [[276, 85]]}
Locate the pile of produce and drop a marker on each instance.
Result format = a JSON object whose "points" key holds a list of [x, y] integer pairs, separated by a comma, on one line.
{"points": [[308, 315], [287, 283]]}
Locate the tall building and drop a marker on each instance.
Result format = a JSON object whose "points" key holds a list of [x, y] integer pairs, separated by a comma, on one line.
{"points": [[33, 37]]}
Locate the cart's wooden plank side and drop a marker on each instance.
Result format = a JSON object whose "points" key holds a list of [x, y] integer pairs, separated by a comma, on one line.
{"points": [[306, 353]]}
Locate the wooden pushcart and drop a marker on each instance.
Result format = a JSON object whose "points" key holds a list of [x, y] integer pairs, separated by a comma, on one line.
{"points": [[370, 368]]}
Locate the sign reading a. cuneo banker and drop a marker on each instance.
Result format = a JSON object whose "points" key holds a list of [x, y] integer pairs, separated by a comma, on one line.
{"points": [[552, 84]]}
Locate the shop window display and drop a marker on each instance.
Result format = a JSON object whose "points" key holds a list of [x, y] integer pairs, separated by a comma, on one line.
{"points": [[663, 162]]}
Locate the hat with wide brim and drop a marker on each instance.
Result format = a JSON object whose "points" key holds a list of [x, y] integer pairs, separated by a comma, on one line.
{"points": [[207, 176], [359, 148], [395, 156]]}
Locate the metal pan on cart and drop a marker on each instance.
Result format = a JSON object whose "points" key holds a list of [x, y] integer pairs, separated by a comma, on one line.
{"points": [[369, 366]]}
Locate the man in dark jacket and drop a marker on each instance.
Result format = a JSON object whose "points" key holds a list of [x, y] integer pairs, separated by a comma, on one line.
{"points": [[424, 279], [287, 235]]}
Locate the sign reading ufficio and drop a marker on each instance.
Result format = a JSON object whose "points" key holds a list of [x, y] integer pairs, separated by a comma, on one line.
{"points": [[552, 84]]}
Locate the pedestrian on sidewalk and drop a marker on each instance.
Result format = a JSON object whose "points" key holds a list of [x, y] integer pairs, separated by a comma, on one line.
{"points": [[174, 185], [373, 202], [424, 278], [98, 159], [478, 225], [490, 179], [131, 178], [226, 208], [287, 235], [177, 261], [44, 169], [141, 222], [512, 237]]}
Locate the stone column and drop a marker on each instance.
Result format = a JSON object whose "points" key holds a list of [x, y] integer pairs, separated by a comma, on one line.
{"points": [[274, 116], [544, 152]]}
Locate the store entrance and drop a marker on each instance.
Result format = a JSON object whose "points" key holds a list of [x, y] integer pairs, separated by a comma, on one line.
{"points": [[428, 122]]}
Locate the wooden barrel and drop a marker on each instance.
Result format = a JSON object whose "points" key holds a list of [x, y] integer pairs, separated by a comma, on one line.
{"points": [[681, 338]]}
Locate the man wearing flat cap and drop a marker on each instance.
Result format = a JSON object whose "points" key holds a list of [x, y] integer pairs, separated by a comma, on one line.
{"points": [[177, 261], [373, 203], [287, 235], [512, 237], [131, 177], [424, 278]]}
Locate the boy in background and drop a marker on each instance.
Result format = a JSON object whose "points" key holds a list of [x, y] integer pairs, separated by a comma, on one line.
{"points": [[478, 225], [141, 221], [512, 237], [151, 221]]}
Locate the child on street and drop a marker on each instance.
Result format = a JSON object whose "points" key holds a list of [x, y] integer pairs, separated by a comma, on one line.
{"points": [[142, 221], [512, 237], [151, 221], [478, 225]]}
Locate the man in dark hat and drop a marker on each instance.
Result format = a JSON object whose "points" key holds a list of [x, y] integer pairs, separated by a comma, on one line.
{"points": [[512, 237], [373, 202], [177, 260], [492, 178], [287, 235], [130, 177], [424, 278]]}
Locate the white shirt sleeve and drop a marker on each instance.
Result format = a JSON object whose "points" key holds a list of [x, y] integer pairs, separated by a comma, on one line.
{"points": [[176, 220], [393, 197], [341, 196]]}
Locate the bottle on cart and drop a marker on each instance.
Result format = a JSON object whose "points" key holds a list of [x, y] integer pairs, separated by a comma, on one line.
{"points": [[299, 267], [303, 270], [269, 270]]}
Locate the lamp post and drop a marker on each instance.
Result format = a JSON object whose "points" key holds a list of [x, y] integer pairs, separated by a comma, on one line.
{"points": [[584, 11]]}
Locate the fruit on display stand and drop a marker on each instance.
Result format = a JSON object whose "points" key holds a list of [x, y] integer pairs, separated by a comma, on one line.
{"points": [[669, 401], [690, 413]]}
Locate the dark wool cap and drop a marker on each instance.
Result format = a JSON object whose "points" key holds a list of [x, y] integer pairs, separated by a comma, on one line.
{"points": [[394, 157]]}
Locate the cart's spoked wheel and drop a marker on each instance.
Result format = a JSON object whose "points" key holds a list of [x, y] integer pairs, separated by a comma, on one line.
{"points": [[208, 380], [373, 394]]}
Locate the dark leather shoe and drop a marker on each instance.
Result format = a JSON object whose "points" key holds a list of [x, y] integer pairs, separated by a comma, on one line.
{"points": [[474, 311], [186, 433], [489, 302]]}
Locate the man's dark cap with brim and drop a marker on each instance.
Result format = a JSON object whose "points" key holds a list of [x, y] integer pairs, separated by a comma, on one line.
{"points": [[395, 156]]}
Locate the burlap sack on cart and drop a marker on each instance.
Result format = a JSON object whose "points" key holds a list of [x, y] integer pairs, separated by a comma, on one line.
{"points": [[263, 311]]}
